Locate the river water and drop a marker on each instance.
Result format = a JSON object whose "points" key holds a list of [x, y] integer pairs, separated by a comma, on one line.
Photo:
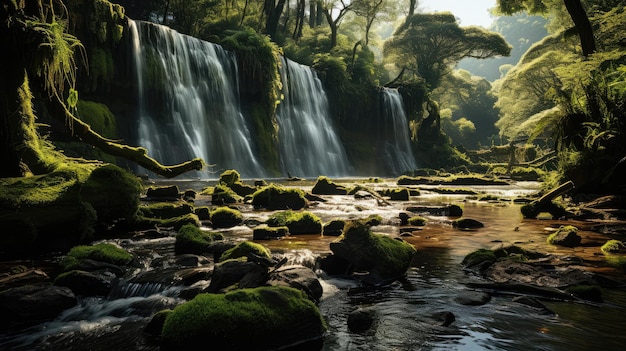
{"points": [[406, 312]]}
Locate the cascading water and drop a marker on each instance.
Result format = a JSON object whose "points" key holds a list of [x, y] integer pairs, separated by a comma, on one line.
{"points": [[308, 144], [395, 135], [188, 100]]}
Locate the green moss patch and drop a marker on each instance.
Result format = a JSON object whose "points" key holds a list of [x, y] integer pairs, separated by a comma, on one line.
{"points": [[325, 186], [243, 249], [274, 197], [247, 319], [225, 217], [107, 253], [566, 235], [613, 246], [417, 221], [165, 210], [191, 239]]}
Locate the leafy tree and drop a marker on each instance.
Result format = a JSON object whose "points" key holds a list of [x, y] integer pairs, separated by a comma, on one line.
{"points": [[470, 103], [338, 9], [431, 44]]}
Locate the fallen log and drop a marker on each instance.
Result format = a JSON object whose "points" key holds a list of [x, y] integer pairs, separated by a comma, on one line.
{"points": [[545, 204]]}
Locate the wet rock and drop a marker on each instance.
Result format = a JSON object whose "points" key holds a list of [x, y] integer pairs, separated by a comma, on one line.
{"points": [[265, 232], [23, 276], [93, 265], [225, 217], [361, 320], [163, 193], [325, 186], [275, 197], [298, 277], [467, 223], [447, 210], [244, 274], [533, 303], [472, 298], [566, 235], [30, 304], [155, 326], [334, 227], [190, 260], [362, 194], [443, 319], [404, 218], [399, 194], [86, 283]]}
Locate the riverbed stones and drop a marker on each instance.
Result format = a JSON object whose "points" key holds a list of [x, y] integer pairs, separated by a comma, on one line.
{"points": [[472, 298], [298, 277], [325, 186], [361, 320], [86, 283], [467, 223]]}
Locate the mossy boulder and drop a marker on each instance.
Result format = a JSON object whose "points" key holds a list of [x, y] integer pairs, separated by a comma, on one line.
{"points": [[265, 232], [402, 194], [265, 318], [225, 217], [192, 240], [104, 252], [175, 222], [325, 186], [479, 257], [58, 210], [274, 197], [165, 210], [417, 221], [168, 192], [243, 249], [221, 194], [304, 223], [229, 177], [385, 258], [566, 235], [85, 283]]}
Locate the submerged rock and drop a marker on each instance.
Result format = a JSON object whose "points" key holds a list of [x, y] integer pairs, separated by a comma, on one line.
{"points": [[361, 320], [566, 235]]}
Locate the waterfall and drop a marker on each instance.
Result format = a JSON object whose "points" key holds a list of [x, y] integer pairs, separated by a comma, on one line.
{"points": [[307, 140], [395, 133], [188, 100]]}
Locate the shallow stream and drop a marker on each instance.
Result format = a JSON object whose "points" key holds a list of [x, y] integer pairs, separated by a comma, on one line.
{"points": [[406, 312]]}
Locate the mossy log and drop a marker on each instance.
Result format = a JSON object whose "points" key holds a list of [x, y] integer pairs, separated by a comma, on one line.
{"points": [[138, 155]]}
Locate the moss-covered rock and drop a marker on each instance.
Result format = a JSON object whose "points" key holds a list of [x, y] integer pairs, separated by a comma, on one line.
{"points": [[325, 186], [613, 246], [417, 221], [385, 258], [113, 192], [480, 256], [84, 283], [107, 253], [264, 318], [566, 235], [191, 239], [229, 177], [168, 192], [274, 197], [225, 217], [243, 249], [402, 194], [304, 223], [175, 222], [165, 210], [221, 194], [265, 232]]}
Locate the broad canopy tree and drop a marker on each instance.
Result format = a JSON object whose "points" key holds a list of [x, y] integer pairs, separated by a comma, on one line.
{"points": [[431, 44]]}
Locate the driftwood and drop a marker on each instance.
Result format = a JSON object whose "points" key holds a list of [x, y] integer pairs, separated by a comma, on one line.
{"points": [[139, 155], [545, 204]]}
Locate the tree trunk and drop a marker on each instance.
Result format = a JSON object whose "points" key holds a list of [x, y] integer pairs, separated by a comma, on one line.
{"points": [[583, 26], [320, 14], [333, 28], [272, 14], [312, 14]]}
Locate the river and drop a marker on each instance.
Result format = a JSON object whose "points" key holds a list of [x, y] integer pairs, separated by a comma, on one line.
{"points": [[406, 311]]}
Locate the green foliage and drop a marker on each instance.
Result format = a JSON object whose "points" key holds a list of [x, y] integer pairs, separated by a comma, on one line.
{"points": [[225, 217], [243, 249], [430, 44], [266, 314], [107, 253]]}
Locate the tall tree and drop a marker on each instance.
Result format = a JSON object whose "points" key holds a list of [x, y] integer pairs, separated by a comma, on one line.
{"points": [[369, 10], [431, 44], [338, 9], [273, 9]]}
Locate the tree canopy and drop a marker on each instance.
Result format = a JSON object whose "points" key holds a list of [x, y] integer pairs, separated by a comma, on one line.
{"points": [[431, 44]]}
